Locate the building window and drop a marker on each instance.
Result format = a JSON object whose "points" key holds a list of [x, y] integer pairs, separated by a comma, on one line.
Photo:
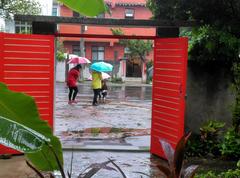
{"points": [[54, 11], [129, 13], [76, 50], [76, 14], [98, 53], [23, 27]]}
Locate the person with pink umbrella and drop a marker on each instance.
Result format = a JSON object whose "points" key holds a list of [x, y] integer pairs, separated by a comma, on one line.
{"points": [[72, 78], [78, 60]]}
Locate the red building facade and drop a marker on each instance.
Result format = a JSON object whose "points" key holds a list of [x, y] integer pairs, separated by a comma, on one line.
{"points": [[110, 50]]}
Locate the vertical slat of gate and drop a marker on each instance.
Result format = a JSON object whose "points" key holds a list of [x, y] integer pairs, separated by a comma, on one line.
{"points": [[169, 88], [28, 66], [1, 56]]}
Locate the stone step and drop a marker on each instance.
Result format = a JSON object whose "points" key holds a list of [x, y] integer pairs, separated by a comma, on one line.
{"points": [[133, 80]]}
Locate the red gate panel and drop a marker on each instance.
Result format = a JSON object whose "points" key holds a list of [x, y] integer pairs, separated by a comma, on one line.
{"points": [[169, 88], [27, 65]]}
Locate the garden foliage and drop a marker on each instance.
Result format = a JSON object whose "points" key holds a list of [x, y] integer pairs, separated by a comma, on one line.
{"points": [[217, 38], [24, 7], [136, 48], [176, 160], [231, 173], [26, 132], [208, 141], [230, 146]]}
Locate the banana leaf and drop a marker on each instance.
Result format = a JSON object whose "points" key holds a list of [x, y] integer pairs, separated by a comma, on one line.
{"points": [[86, 7], [20, 137], [21, 108]]}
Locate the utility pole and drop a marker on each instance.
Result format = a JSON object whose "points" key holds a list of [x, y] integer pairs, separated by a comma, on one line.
{"points": [[115, 64], [66, 67], [82, 52]]}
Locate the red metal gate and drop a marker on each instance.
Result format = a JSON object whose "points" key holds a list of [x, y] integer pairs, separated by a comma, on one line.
{"points": [[27, 65], [169, 88]]}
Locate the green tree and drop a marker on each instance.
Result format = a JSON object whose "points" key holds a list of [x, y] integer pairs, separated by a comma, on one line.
{"points": [[25, 7], [218, 37], [60, 51], [222, 14], [137, 48]]}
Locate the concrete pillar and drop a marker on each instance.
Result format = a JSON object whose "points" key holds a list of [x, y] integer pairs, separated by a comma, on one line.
{"points": [[144, 73], [122, 68]]}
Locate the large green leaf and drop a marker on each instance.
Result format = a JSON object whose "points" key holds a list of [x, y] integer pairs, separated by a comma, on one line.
{"points": [[20, 137], [22, 109], [86, 7]]}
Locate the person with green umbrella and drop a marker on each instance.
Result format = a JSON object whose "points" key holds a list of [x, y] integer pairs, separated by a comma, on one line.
{"points": [[97, 68], [96, 85]]}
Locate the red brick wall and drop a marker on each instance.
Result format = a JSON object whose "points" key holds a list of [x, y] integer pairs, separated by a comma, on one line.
{"points": [[139, 12], [111, 45], [63, 28], [117, 13], [108, 50]]}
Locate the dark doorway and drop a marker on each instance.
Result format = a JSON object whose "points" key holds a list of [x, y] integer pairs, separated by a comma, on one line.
{"points": [[133, 68]]}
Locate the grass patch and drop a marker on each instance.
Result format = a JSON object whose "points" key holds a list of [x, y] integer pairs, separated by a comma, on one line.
{"points": [[115, 130], [95, 131]]}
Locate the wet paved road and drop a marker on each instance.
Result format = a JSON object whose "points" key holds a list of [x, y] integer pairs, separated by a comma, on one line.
{"points": [[130, 163], [126, 107]]}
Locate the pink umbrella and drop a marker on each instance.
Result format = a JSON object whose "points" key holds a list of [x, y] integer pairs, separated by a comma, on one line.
{"points": [[79, 60], [104, 76]]}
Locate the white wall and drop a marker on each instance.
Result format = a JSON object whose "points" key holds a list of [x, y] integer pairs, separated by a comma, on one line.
{"points": [[9, 26], [2, 25], [46, 6], [60, 71]]}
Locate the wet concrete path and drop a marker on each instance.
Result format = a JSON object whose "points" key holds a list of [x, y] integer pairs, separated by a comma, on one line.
{"points": [[134, 165], [126, 107], [122, 123]]}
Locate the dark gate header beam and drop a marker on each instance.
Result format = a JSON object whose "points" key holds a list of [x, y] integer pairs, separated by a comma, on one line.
{"points": [[105, 21], [105, 36]]}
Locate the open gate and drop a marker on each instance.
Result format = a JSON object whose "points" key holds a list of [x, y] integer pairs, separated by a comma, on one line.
{"points": [[169, 88], [27, 65]]}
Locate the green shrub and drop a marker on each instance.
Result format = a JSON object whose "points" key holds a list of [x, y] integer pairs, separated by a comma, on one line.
{"points": [[60, 56], [212, 127], [194, 147], [208, 141], [228, 174], [210, 133], [209, 174], [117, 80], [230, 146]]}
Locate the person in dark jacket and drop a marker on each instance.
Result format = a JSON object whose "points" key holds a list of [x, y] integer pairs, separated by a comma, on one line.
{"points": [[103, 92], [72, 79]]}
